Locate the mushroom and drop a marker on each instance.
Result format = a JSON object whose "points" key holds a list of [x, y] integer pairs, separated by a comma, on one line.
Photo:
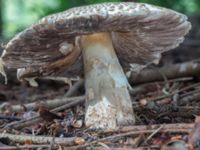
{"points": [[104, 39]]}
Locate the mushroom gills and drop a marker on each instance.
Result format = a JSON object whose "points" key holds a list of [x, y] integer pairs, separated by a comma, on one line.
{"points": [[108, 103]]}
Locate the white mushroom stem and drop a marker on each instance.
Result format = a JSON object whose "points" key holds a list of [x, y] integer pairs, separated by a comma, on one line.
{"points": [[108, 103]]}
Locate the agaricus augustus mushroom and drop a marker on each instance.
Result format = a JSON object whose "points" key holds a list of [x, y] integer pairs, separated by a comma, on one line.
{"points": [[106, 38]]}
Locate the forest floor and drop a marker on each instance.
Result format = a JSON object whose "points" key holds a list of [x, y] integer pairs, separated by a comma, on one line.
{"points": [[51, 116], [166, 117]]}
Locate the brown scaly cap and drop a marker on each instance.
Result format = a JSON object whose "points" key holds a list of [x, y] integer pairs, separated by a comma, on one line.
{"points": [[140, 32]]}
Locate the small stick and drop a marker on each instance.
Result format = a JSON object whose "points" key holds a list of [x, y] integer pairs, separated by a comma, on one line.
{"points": [[40, 139], [24, 147], [51, 144], [175, 92], [190, 93], [186, 99], [11, 118], [24, 123], [152, 134], [74, 88], [150, 147], [27, 122], [120, 135], [70, 104], [49, 103], [151, 86], [177, 127]]}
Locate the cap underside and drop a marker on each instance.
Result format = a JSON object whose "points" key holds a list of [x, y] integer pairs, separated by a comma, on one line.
{"points": [[140, 32]]}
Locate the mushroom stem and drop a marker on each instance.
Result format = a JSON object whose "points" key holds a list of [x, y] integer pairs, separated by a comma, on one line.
{"points": [[108, 103]]}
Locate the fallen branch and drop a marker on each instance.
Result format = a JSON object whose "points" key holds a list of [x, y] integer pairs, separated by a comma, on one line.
{"points": [[41, 139], [187, 69]]}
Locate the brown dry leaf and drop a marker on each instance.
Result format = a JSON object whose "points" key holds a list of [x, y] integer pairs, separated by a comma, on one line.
{"points": [[28, 142], [161, 140], [176, 138], [57, 129], [45, 113]]}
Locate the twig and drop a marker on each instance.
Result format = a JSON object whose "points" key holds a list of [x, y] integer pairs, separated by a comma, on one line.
{"points": [[24, 123], [151, 147], [74, 88], [49, 103], [104, 146], [190, 93], [152, 134], [175, 92], [148, 87], [51, 144], [182, 127], [23, 147], [113, 137], [11, 118], [186, 99], [71, 104], [40, 139], [134, 130], [27, 122]]}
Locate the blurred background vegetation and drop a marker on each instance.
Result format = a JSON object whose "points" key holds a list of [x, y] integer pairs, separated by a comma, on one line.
{"points": [[15, 15]]}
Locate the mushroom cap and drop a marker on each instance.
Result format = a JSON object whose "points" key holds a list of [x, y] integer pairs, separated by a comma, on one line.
{"points": [[140, 32]]}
